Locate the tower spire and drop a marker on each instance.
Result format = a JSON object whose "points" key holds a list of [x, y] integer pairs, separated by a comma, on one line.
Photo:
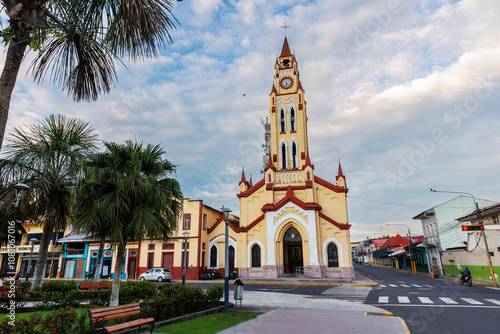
{"points": [[243, 179]]}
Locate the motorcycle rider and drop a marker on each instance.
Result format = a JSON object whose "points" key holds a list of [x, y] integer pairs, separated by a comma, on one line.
{"points": [[466, 273]]}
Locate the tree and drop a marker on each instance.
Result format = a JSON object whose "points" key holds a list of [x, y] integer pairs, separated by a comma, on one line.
{"points": [[79, 42], [132, 195], [47, 157], [86, 215]]}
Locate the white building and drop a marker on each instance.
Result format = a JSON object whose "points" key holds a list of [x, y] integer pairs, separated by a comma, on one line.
{"points": [[441, 229]]}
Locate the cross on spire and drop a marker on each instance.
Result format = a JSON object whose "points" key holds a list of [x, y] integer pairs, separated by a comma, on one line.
{"points": [[285, 26]]}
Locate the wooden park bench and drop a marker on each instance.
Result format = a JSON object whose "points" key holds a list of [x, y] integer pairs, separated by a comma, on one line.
{"points": [[100, 316], [92, 286], [5, 290]]}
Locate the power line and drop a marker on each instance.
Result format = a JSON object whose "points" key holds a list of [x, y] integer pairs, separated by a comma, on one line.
{"points": [[388, 203]]}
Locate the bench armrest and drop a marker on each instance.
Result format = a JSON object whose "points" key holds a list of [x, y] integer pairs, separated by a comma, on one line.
{"points": [[97, 324]]}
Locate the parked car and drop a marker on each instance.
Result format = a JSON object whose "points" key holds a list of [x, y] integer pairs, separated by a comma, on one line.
{"points": [[156, 274]]}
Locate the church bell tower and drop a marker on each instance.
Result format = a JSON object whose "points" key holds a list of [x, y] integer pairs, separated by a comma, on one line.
{"points": [[289, 143]]}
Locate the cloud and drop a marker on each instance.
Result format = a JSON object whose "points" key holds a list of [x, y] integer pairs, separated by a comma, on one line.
{"points": [[381, 77]]}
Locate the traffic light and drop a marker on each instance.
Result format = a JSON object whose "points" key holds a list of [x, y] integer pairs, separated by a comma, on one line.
{"points": [[472, 227]]}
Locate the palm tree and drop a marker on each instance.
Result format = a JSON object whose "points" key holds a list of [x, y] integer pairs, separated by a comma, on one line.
{"points": [[135, 197], [85, 213], [48, 157], [79, 42]]}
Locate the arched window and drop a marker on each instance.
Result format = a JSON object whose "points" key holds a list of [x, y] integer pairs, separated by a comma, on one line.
{"points": [[308, 176], [293, 120], [333, 256], [282, 121], [294, 155], [255, 256], [213, 257], [283, 156]]}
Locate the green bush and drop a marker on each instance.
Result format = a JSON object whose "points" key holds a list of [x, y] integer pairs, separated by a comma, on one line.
{"points": [[175, 300], [132, 291], [214, 294], [56, 299], [19, 299], [59, 286], [64, 320]]}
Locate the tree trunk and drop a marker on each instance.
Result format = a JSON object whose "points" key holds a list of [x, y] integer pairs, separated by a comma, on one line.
{"points": [[41, 263], [15, 54], [115, 291], [97, 273]]}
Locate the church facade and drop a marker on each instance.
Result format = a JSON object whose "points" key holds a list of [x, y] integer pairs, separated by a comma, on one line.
{"points": [[291, 221]]}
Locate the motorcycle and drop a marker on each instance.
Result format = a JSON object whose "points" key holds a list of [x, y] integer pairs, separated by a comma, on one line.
{"points": [[233, 275], [207, 275], [466, 279]]}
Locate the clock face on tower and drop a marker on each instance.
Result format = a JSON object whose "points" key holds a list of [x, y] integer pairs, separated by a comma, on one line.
{"points": [[286, 82]]}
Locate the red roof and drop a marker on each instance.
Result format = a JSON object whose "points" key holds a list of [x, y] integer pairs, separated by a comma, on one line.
{"points": [[285, 52], [397, 241]]}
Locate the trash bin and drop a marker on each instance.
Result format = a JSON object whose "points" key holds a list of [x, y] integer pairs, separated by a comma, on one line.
{"points": [[238, 291]]}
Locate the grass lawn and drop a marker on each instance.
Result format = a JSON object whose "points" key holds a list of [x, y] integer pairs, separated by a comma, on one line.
{"points": [[20, 315], [208, 324]]}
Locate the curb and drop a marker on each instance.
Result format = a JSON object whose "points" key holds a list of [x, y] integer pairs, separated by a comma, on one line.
{"points": [[440, 276], [405, 327]]}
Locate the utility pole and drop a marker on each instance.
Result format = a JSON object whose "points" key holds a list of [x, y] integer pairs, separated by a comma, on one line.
{"points": [[486, 246], [483, 233]]}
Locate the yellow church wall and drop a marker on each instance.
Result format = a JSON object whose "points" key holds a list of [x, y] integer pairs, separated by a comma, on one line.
{"points": [[217, 238], [257, 234], [333, 204], [250, 206], [341, 238]]}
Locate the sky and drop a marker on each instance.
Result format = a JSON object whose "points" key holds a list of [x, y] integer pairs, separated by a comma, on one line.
{"points": [[404, 93]]}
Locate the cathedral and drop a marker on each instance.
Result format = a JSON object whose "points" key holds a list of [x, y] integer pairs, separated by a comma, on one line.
{"points": [[291, 221]]}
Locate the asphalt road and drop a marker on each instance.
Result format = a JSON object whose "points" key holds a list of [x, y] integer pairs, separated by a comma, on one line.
{"points": [[434, 305], [429, 306]]}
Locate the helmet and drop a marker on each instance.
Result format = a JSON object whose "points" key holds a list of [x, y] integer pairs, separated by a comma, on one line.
{"points": [[466, 268]]}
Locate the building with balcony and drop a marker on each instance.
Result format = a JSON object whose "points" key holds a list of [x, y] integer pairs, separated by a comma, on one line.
{"points": [[442, 230]]}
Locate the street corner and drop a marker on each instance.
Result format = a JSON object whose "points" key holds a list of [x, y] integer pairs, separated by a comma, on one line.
{"points": [[365, 284]]}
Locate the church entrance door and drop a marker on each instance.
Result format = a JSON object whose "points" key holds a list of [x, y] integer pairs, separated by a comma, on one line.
{"points": [[292, 250]]}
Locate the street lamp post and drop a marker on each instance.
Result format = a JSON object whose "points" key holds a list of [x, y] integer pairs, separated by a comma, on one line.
{"points": [[482, 231], [184, 262], [226, 264], [19, 187], [412, 262], [31, 257], [53, 251]]}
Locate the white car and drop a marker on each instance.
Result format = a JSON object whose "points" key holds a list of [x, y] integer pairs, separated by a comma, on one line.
{"points": [[156, 274]]}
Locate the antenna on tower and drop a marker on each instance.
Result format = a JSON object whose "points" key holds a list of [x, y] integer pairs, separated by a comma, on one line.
{"points": [[267, 143]]}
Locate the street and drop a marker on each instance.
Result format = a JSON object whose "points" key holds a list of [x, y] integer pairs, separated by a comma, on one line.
{"points": [[434, 305], [427, 305]]}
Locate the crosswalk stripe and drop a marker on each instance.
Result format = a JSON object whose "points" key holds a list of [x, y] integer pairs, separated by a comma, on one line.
{"points": [[494, 301], [403, 299], [448, 300], [405, 286], [392, 285], [427, 285], [426, 300], [383, 299], [382, 285], [416, 285], [471, 301]]}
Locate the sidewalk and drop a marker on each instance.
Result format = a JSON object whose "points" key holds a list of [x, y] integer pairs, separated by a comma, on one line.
{"points": [[292, 313]]}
